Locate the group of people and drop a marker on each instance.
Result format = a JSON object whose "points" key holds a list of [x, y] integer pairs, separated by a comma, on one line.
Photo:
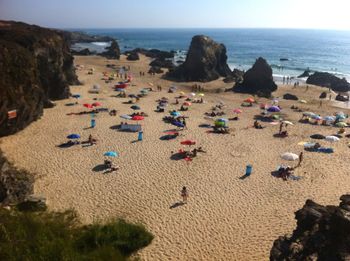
{"points": [[197, 88]]}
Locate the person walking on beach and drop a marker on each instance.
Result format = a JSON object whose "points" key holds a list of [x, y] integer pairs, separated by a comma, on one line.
{"points": [[281, 127], [184, 195], [301, 157], [184, 123]]}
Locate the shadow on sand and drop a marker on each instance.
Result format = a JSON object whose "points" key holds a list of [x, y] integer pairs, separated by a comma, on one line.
{"points": [[177, 204], [100, 168]]}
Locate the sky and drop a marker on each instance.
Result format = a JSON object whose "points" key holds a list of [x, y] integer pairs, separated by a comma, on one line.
{"points": [[316, 14]]}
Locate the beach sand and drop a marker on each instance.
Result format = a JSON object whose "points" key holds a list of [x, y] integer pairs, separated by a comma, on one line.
{"points": [[226, 218]]}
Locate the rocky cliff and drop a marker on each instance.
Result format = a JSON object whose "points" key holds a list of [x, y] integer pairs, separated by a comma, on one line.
{"points": [[330, 81], [35, 66], [113, 51], [257, 80], [322, 233], [206, 61]]}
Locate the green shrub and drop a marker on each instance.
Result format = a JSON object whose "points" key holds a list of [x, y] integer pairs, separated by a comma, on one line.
{"points": [[58, 236]]}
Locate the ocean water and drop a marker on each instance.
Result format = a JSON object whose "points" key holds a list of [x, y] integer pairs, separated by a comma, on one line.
{"points": [[319, 50]]}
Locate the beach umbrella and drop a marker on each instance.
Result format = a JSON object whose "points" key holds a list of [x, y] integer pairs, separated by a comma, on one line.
{"points": [[332, 138], [150, 84], [135, 107], [340, 113], [288, 122], [87, 105], [187, 104], [188, 142], [96, 104], [308, 114], [341, 117], [182, 93], [329, 118], [237, 111], [201, 94], [273, 109], [249, 100], [192, 94], [73, 136], [341, 124], [317, 137], [178, 124], [137, 118], [316, 117], [289, 156], [112, 154], [303, 101], [76, 96], [175, 113], [126, 117], [222, 120]]}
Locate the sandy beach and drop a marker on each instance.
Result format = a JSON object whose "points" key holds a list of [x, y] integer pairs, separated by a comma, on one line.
{"points": [[226, 218]]}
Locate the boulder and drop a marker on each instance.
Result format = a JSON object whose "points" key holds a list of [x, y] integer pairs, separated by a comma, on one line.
{"points": [[237, 76], [113, 51], [35, 66], [33, 203], [328, 80], [322, 233], [323, 95], [163, 63], [155, 69], [206, 61], [342, 98], [153, 53], [133, 57], [305, 74], [83, 52], [257, 80], [289, 96]]}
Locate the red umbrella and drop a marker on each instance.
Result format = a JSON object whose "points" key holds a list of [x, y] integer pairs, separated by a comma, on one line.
{"points": [[188, 142], [237, 111], [137, 118], [87, 105], [187, 104], [95, 104], [250, 100]]}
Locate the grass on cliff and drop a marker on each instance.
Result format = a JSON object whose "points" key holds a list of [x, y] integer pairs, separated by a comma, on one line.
{"points": [[59, 236]]}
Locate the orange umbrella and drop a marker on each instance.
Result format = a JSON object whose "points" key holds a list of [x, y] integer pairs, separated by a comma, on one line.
{"points": [[187, 104], [250, 100]]}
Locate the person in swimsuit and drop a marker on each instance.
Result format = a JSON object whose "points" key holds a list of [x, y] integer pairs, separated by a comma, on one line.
{"points": [[184, 194]]}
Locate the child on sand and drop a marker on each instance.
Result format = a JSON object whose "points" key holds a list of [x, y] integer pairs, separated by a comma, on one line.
{"points": [[184, 194]]}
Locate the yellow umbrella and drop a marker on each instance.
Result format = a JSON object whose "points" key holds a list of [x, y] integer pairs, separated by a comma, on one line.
{"points": [[302, 143], [150, 84], [201, 94], [303, 101], [182, 93]]}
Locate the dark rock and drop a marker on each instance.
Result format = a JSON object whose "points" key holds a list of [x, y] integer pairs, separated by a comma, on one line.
{"points": [[323, 95], [155, 69], [284, 59], [133, 57], [113, 51], [237, 76], [258, 80], [342, 98], [81, 37], [322, 233], [153, 53], [180, 62], [306, 73], [289, 96], [163, 63], [83, 52], [33, 203], [49, 104], [15, 185], [206, 61], [35, 65], [330, 81]]}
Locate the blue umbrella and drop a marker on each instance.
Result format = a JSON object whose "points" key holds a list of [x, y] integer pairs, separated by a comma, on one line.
{"points": [[76, 96], [73, 136], [135, 107], [222, 120], [273, 109], [111, 154], [175, 113], [178, 124], [341, 117]]}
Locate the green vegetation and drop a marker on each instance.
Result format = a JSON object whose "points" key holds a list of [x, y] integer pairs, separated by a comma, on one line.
{"points": [[59, 236]]}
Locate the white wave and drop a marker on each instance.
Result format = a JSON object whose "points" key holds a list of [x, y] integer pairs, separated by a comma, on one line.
{"points": [[100, 43]]}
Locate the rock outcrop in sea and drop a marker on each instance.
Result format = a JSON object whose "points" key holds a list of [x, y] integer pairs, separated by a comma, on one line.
{"points": [[36, 66], [322, 233], [330, 81], [206, 61], [81, 37], [257, 80], [112, 51]]}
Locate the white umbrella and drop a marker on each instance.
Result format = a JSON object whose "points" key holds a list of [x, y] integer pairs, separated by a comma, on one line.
{"points": [[289, 156], [288, 122], [127, 117], [332, 138], [192, 94]]}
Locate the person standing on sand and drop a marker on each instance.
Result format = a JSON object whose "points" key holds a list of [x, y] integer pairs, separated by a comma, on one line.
{"points": [[281, 127], [184, 195], [301, 157]]}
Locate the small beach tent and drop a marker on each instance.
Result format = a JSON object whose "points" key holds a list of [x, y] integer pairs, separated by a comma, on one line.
{"points": [[73, 136], [332, 138], [112, 154], [273, 109]]}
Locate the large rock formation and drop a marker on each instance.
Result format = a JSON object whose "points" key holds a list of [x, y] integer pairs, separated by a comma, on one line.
{"points": [[258, 80], [206, 61], [322, 233], [35, 66], [163, 63], [330, 81], [81, 37], [153, 53], [113, 51]]}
